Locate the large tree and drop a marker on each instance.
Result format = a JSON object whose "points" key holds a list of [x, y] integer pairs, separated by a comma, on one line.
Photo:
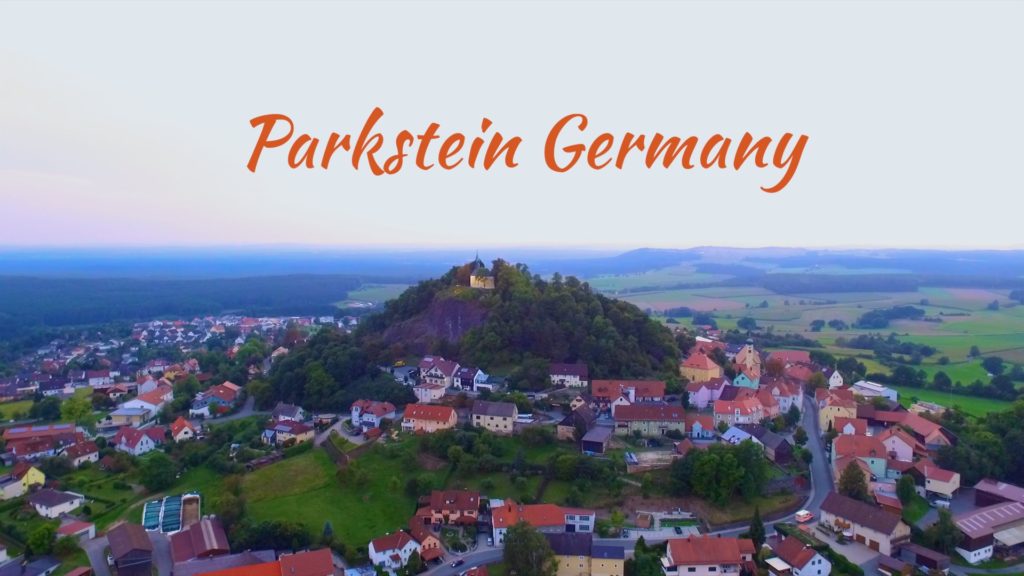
{"points": [[527, 552], [157, 472], [757, 533], [905, 488], [853, 483]]}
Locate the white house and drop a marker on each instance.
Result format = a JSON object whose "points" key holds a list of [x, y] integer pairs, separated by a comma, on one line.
{"points": [[391, 552], [798, 559], [468, 378], [569, 375], [137, 442], [52, 504], [369, 413], [868, 389], [835, 379]]}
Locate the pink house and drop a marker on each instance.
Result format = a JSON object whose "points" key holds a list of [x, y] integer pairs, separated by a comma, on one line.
{"points": [[704, 394], [899, 445]]}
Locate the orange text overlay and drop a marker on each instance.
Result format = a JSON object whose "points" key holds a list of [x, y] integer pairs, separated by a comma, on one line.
{"points": [[570, 145]]}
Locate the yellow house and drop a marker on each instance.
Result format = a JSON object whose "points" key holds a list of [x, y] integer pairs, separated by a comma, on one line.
{"points": [[22, 477], [428, 418], [577, 555], [498, 417], [834, 404], [699, 368]]}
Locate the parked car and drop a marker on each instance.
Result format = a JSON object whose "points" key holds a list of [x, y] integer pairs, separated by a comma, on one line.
{"points": [[940, 503], [458, 563], [490, 541], [804, 516], [679, 530]]}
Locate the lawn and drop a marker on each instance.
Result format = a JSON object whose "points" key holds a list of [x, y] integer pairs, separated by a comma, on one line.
{"points": [[9, 409], [973, 405], [305, 489], [739, 510], [915, 510]]}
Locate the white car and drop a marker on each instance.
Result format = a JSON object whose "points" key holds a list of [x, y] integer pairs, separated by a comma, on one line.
{"points": [[803, 516]]}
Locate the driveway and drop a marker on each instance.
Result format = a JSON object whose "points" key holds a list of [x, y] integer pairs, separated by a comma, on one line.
{"points": [[161, 553], [95, 550]]}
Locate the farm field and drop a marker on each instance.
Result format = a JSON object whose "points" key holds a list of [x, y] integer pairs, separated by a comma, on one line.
{"points": [[664, 277], [374, 294], [972, 405]]}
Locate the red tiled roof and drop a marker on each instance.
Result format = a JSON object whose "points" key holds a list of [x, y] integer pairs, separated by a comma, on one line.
{"points": [[653, 412], [429, 412], [700, 361], [374, 407], [707, 422], [860, 425], [72, 528], [791, 356], [180, 424], [708, 550], [395, 541], [536, 515], [614, 388], [794, 552], [933, 472], [859, 446], [463, 500], [81, 449], [309, 563]]}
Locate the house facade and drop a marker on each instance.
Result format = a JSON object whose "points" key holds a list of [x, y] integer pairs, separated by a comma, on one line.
{"points": [[82, 452], [701, 395], [52, 503], [544, 517], [870, 525], [707, 556], [649, 419], [369, 413], [699, 367], [569, 375], [392, 552], [428, 418], [498, 417]]}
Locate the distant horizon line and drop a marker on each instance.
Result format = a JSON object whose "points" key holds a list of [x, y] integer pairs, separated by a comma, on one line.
{"points": [[419, 248]]}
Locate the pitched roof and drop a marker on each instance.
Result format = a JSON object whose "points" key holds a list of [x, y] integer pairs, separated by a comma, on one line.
{"points": [[50, 498], [933, 472], [204, 538], [699, 361], [73, 527], [290, 427], [132, 436], [745, 406], [579, 370], [985, 521], [374, 407], [181, 424], [80, 449], [536, 515], [394, 541], [126, 538], [713, 384], [24, 432], [1003, 490], [231, 564], [454, 500], [860, 425], [500, 409], [791, 356], [707, 422], [860, 513], [429, 412], [794, 552], [308, 563], [859, 446], [708, 550], [570, 543], [650, 412], [446, 367], [615, 388]]}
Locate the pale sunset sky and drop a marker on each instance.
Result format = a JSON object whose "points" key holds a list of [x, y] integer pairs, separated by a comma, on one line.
{"points": [[127, 124]]}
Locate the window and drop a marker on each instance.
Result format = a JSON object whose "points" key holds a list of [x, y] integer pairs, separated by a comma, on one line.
{"points": [[570, 517], [712, 568], [691, 569]]}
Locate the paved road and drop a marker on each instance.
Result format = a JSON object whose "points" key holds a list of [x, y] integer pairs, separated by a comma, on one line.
{"points": [[821, 485], [95, 550], [248, 409]]}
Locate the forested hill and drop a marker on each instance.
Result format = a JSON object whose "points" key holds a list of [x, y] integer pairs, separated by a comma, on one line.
{"points": [[524, 320]]}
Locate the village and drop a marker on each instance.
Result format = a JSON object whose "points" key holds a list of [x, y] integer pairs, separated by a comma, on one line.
{"points": [[116, 469]]}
